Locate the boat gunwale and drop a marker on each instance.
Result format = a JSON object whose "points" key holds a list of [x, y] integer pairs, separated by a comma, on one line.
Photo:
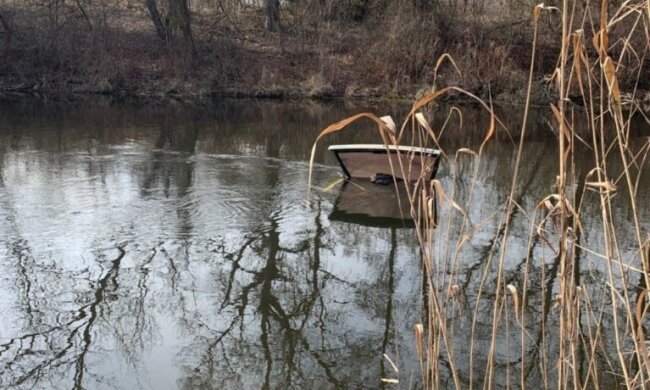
{"points": [[378, 148]]}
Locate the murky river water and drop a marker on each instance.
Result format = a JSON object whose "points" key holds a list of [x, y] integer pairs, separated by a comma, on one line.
{"points": [[173, 246]]}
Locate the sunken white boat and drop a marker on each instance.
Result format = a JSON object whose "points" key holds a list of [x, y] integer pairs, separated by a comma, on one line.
{"points": [[373, 162]]}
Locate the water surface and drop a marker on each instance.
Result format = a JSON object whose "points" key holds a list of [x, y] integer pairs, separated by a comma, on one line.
{"points": [[173, 245]]}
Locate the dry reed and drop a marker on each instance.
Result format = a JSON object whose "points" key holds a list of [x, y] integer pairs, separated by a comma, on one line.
{"points": [[575, 333]]}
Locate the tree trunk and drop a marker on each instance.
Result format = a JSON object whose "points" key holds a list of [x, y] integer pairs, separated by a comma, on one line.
{"points": [[7, 30], [180, 13], [178, 17], [273, 15], [161, 25]]}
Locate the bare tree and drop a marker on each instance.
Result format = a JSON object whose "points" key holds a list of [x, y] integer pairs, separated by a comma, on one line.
{"points": [[273, 15], [176, 17], [7, 31]]}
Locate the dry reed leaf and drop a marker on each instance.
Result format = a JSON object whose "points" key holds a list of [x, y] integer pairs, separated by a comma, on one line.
{"points": [[425, 124], [578, 54], [386, 134], [333, 184], [537, 10], [555, 77], [603, 19], [426, 99], [431, 211], [551, 207], [431, 96], [541, 232], [515, 299], [576, 216], [640, 313], [612, 81], [601, 39], [607, 186], [594, 171], [391, 363], [419, 340], [645, 252], [601, 42], [466, 151], [562, 122], [490, 132], [641, 307], [443, 197], [448, 57], [392, 381], [388, 120], [460, 120]]}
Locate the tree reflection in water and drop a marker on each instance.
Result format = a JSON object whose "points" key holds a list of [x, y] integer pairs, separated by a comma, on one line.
{"points": [[145, 261], [161, 248], [284, 328]]}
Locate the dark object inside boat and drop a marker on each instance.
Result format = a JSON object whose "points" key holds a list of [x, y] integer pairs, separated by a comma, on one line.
{"points": [[384, 179]]}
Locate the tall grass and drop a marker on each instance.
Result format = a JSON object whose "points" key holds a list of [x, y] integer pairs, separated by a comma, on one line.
{"points": [[552, 322]]}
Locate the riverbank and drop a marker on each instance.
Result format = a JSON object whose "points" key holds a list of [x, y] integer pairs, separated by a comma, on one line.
{"points": [[385, 54]]}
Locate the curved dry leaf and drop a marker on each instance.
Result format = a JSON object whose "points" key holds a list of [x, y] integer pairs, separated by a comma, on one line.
{"points": [[612, 81], [382, 127], [431, 96], [333, 184], [515, 299], [537, 10], [423, 122], [546, 202], [490, 132], [466, 151], [641, 307], [607, 186], [448, 57], [419, 340], [564, 126], [578, 51], [603, 17], [594, 171], [431, 211], [388, 120], [574, 214], [549, 206], [427, 98], [443, 197], [557, 79], [601, 42]]}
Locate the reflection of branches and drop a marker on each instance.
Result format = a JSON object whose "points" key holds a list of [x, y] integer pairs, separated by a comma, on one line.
{"points": [[491, 248], [100, 295], [131, 328], [22, 253], [389, 301], [278, 311], [82, 323]]}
